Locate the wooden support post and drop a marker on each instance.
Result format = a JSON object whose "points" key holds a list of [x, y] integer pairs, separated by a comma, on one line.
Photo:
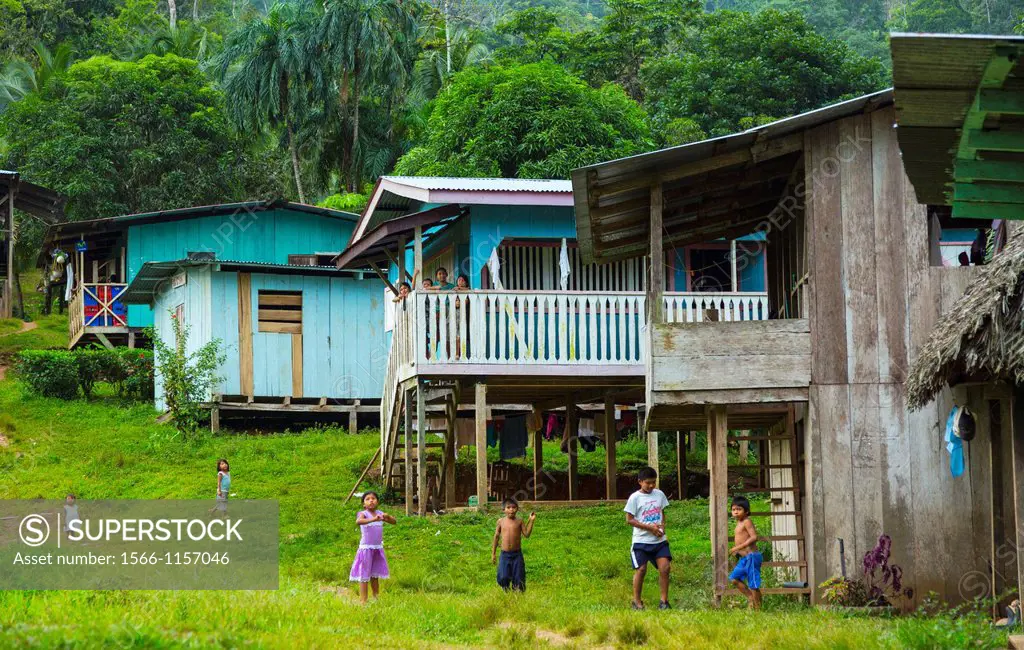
{"points": [[744, 447], [1017, 444], [401, 261], [481, 446], [652, 454], [131, 340], [693, 441], [611, 474], [681, 477], [214, 420], [656, 282], [449, 452], [572, 428], [421, 450], [408, 452], [732, 266], [245, 354], [718, 503], [353, 422], [995, 455], [538, 462], [417, 256]]}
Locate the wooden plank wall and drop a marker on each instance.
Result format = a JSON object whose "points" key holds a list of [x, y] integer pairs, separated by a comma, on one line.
{"points": [[875, 467]]}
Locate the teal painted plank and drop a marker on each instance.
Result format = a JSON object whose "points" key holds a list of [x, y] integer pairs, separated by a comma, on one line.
{"points": [[225, 328]]}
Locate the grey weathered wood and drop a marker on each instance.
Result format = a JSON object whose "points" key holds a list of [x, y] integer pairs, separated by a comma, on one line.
{"points": [[652, 454], [1017, 438], [656, 284], [611, 471], [833, 411], [997, 500], [977, 453], [407, 400], [858, 258], [481, 445], [718, 430], [729, 396], [421, 452], [773, 337], [829, 351], [683, 373], [897, 484], [890, 249], [866, 464]]}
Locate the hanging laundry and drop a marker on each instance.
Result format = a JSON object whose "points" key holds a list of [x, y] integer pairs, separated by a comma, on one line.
{"points": [[513, 438], [493, 432], [954, 445], [553, 427], [534, 421], [587, 438]]}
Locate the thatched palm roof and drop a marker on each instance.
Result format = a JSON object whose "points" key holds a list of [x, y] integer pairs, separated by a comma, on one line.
{"points": [[982, 336]]}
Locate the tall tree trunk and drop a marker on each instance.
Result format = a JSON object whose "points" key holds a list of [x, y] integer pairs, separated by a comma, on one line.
{"points": [[447, 42], [354, 179], [295, 162], [346, 145], [17, 299], [172, 11], [195, 10]]}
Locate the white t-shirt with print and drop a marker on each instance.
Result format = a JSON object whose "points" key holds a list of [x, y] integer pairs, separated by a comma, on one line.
{"points": [[647, 509]]}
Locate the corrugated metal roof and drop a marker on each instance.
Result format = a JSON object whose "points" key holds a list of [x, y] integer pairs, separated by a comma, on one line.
{"points": [[586, 179], [484, 184], [144, 285], [936, 78]]}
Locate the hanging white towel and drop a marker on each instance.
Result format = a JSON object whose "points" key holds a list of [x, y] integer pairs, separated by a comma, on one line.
{"points": [[70, 282], [494, 268], [563, 266]]}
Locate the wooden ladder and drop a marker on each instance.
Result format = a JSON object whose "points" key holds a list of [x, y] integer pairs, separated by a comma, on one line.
{"points": [[780, 476], [404, 459]]}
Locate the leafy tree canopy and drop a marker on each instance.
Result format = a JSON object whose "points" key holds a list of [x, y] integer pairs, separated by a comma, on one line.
{"points": [[120, 137], [739, 69], [529, 121]]}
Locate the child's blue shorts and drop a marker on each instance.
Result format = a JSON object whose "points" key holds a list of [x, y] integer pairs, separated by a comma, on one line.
{"points": [[641, 554], [748, 570]]}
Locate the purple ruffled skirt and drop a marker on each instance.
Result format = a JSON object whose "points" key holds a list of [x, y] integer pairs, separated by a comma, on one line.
{"points": [[369, 563]]}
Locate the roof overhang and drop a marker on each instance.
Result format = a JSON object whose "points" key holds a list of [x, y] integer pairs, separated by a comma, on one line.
{"points": [[374, 250], [960, 110], [147, 282], [722, 187], [397, 196], [36, 200]]}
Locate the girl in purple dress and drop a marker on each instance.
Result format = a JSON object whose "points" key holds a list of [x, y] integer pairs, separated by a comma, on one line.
{"points": [[370, 563]]}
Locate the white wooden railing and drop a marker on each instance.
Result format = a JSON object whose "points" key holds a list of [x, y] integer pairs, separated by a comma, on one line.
{"points": [[695, 307]]}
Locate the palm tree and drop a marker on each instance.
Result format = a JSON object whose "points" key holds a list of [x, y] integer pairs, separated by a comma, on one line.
{"points": [[265, 69], [436, 66], [20, 78], [188, 40], [369, 42]]}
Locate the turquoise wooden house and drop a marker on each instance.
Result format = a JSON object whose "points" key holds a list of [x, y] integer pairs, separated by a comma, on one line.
{"points": [[258, 276]]}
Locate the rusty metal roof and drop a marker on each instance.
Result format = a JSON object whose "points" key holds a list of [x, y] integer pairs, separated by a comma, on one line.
{"points": [[935, 79]]}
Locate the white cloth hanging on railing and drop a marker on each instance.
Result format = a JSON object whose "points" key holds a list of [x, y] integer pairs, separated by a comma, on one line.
{"points": [[70, 282], [563, 266], [494, 268]]}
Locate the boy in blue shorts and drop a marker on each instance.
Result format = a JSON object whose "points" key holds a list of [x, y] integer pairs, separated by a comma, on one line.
{"points": [[746, 576], [645, 513]]}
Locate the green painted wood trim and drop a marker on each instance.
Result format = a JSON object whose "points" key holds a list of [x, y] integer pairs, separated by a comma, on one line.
{"points": [[963, 210], [988, 170], [996, 100], [996, 140], [988, 193]]}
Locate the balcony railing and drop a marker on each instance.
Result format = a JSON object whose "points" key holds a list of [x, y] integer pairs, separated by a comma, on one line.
{"points": [[95, 306]]}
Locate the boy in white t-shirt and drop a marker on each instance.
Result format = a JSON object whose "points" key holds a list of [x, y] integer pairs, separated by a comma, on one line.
{"points": [[645, 512]]}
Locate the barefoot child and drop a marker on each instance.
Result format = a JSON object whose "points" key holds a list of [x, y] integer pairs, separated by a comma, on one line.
{"points": [[70, 512], [645, 513], [747, 575], [223, 487], [370, 563], [510, 532]]}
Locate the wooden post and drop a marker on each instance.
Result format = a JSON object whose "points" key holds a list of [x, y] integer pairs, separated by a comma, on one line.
{"points": [[421, 449], [656, 283], [538, 461], [681, 464], [572, 427], [408, 452], [693, 441], [717, 457], [417, 256], [732, 266], [214, 420], [995, 455], [401, 262], [652, 454], [611, 474], [744, 447], [1017, 444], [449, 453], [353, 420], [481, 446], [245, 354]]}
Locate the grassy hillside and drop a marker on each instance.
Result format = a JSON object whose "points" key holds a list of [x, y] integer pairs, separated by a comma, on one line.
{"points": [[442, 592]]}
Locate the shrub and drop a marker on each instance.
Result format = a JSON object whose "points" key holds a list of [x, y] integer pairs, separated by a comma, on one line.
{"points": [[187, 378], [50, 373], [61, 373]]}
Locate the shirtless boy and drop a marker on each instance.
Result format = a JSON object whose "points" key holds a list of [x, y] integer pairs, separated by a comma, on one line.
{"points": [[747, 574], [510, 532]]}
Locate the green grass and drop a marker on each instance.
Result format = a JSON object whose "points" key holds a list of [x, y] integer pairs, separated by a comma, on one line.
{"points": [[51, 330], [442, 592]]}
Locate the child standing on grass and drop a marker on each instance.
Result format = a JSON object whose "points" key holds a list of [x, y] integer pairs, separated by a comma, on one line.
{"points": [[510, 532], [645, 512], [223, 487], [370, 563], [70, 511], [747, 574]]}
